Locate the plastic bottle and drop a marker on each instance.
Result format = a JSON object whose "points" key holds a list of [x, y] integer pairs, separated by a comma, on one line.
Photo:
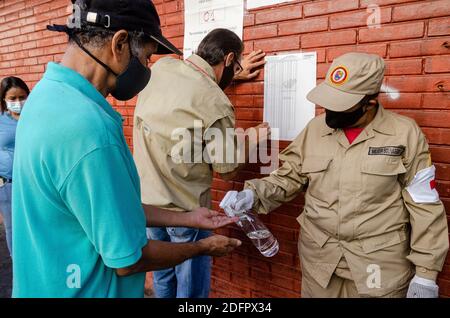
{"points": [[252, 226]]}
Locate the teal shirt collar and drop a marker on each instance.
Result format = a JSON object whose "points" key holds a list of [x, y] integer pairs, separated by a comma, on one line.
{"points": [[60, 73]]}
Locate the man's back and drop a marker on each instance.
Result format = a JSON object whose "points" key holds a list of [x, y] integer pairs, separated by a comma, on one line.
{"points": [[181, 98], [59, 248]]}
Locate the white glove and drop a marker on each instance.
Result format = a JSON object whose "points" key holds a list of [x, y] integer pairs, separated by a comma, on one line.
{"points": [[244, 201], [422, 288]]}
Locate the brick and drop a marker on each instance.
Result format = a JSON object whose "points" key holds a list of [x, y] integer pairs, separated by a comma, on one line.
{"points": [[357, 19], [328, 39], [420, 47], [278, 14], [379, 49], [260, 32], [429, 83], [249, 19], [285, 43], [439, 27], [404, 67], [249, 114], [329, 6], [436, 100], [303, 26], [422, 10], [405, 101], [439, 136], [440, 154], [437, 64], [392, 32], [365, 3], [428, 118]]}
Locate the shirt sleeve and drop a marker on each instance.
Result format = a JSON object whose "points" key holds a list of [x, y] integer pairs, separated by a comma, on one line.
{"points": [[284, 184], [101, 194], [429, 233], [222, 150]]}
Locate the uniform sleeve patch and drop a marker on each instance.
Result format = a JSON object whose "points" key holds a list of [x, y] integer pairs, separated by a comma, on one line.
{"points": [[423, 187]]}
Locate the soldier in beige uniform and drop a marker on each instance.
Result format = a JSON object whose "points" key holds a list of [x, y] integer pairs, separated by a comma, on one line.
{"points": [[187, 97], [372, 218]]}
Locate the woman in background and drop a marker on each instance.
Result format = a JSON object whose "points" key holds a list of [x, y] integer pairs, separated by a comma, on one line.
{"points": [[13, 94]]}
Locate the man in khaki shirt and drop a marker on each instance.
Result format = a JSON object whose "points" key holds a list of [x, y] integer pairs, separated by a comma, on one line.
{"points": [[183, 132], [372, 218]]}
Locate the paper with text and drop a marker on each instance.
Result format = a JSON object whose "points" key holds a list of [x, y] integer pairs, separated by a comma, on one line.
{"points": [[288, 79], [203, 16]]}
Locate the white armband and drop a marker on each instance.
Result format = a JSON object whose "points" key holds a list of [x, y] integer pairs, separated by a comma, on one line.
{"points": [[423, 187]]}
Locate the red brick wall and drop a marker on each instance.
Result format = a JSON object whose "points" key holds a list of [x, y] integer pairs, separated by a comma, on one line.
{"points": [[414, 40]]}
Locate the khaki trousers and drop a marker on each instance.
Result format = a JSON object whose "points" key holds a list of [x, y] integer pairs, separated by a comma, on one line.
{"points": [[341, 286]]}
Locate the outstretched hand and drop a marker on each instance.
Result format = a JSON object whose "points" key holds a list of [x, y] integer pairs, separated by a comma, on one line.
{"points": [[206, 219]]}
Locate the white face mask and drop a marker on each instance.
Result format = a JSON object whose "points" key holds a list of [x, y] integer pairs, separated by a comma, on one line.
{"points": [[15, 107]]}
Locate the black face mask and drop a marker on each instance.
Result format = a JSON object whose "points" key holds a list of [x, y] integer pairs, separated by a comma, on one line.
{"points": [[227, 77], [131, 82], [341, 120]]}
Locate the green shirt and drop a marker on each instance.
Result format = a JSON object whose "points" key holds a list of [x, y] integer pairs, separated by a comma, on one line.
{"points": [[77, 213]]}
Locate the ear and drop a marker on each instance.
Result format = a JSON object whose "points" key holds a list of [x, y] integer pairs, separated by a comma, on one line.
{"points": [[373, 102], [120, 45], [229, 59]]}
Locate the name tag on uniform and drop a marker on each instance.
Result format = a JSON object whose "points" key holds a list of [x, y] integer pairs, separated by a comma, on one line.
{"points": [[387, 151]]}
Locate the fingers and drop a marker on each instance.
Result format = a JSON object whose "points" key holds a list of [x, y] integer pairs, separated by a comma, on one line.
{"points": [[254, 74], [254, 53], [224, 221], [235, 243], [214, 213], [254, 64]]}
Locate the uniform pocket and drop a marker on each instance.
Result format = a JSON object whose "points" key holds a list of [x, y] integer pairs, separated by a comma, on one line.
{"points": [[321, 178], [380, 178], [315, 165], [373, 244], [383, 166]]}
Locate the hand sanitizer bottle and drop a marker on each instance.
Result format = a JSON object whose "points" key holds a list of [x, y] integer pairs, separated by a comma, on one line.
{"points": [[252, 226]]}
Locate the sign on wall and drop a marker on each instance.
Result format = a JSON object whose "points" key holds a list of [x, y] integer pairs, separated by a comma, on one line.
{"points": [[202, 16], [288, 79]]}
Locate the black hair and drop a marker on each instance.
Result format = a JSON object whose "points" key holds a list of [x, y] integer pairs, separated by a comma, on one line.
{"points": [[218, 44], [8, 83]]}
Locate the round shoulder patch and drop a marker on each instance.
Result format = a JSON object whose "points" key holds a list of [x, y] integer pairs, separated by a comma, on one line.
{"points": [[339, 75]]}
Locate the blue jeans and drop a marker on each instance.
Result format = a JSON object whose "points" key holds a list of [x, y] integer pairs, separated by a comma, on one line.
{"points": [[190, 279], [5, 210]]}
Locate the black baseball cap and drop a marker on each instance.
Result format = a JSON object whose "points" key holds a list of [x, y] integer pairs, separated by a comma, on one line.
{"points": [[130, 15]]}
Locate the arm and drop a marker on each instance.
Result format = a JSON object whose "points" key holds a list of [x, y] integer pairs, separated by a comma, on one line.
{"points": [[260, 133], [283, 185], [200, 218], [429, 233], [101, 194], [228, 143], [158, 255]]}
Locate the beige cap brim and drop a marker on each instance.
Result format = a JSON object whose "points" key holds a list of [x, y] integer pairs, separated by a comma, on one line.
{"points": [[333, 99]]}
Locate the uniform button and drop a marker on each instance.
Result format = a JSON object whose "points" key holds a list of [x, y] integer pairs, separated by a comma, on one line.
{"points": [[423, 270]]}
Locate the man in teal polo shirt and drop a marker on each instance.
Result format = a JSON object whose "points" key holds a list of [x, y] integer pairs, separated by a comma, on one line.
{"points": [[79, 225]]}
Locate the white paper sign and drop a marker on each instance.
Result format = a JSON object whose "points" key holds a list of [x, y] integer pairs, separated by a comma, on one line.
{"points": [[288, 79], [252, 4], [202, 16]]}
